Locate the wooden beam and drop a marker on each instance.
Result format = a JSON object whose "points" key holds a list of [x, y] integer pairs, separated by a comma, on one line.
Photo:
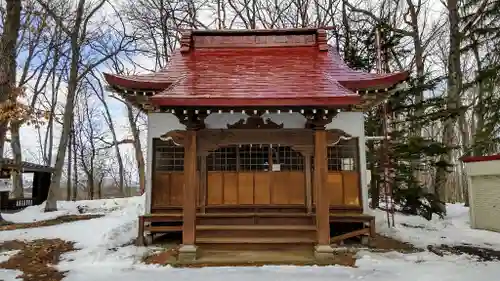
{"points": [[320, 186], [350, 235]]}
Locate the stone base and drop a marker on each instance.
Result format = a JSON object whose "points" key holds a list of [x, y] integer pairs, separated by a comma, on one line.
{"points": [[365, 240], [323, 252], [144, 240], [187, 253], [148, 239]]}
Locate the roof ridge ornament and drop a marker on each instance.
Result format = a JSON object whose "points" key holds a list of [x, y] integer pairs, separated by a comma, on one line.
{"points": [[322, 40], [186, 41]]}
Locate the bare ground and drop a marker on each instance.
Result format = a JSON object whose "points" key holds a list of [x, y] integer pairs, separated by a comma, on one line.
{"points": [[479, 253], [5, 225], [36, 258], [386, 244]]}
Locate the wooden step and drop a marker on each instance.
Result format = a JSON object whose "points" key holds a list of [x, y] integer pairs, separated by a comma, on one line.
{"points": [[254, 240], [207, 215], [255, 219], [163, 218], [163, 229], [179, 215], [256, 227]]}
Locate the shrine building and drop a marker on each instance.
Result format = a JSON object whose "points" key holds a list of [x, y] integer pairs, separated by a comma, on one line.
{"points": [[256, 140]]}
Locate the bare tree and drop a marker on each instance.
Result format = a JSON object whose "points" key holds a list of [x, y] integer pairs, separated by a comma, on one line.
{"points": [[8, 42], [98, 90], [453, 91], [81, 30], [88, 131], [32, 34]]}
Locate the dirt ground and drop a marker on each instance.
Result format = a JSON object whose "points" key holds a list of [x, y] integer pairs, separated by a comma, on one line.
{"points": [[385, 244], [479, 253], [35, 258], [5, 225]]}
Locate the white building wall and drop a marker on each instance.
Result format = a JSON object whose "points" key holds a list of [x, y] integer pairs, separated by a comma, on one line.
{"points": [[350, 122], [484, 194]]}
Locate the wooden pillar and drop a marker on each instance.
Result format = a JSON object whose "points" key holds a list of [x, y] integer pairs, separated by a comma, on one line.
{"points": [[308, 176], [203, 182], [188, 249], [323, 248]]}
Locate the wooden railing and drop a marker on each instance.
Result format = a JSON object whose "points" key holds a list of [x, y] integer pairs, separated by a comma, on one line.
{"points": [[16, 204]]}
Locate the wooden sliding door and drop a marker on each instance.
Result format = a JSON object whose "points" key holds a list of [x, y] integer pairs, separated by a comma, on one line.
{"points": [[343, 182], [168, 174], [255, 175]]}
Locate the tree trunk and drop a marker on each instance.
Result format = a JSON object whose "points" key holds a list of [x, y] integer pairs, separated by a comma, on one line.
{"points": [[139, 157], [452, 99], [51, 204], [75, 167], [15, 143], [374, 186], [121, 168], [8, 40], [68, 186]]}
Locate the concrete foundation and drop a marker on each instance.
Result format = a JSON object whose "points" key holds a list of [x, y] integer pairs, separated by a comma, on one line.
{"points": [[188, 253], [323, 252]]}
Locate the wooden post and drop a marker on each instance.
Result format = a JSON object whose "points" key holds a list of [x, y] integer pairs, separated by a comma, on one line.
{"points": [[188, 250], [309, 194], [323, 248], [203, 182], [140, 234]]}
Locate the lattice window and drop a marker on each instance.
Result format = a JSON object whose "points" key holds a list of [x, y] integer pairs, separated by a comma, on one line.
{"points": [[289, 159], [168, 156], [343, 156], [223, 159], [254, 158]]}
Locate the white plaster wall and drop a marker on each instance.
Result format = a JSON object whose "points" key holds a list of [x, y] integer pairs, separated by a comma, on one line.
{"points": [[350, 122], [292, 120]]}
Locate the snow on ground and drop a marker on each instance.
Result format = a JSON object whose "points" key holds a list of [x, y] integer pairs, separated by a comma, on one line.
{"points": [[454, 229], [36, 213], [103, 255]]}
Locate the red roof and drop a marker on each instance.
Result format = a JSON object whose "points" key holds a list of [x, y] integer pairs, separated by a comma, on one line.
{"points": [[217, 69], [469, 159]]}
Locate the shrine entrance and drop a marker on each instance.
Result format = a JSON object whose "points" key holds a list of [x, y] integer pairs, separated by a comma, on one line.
{"points": [[256, 174], [254, 183]]}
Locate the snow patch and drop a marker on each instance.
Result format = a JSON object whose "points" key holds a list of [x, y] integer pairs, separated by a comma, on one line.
{"points": [[5, 256], [454, 229], [105, 251]]}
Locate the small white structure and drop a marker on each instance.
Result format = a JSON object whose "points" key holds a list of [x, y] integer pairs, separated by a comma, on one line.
{"points": [[483, 175]]}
